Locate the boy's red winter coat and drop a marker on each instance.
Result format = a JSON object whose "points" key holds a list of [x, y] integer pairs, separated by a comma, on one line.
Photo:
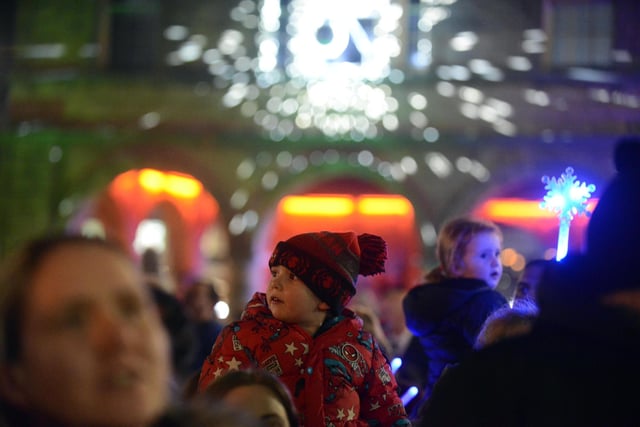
{"points": [[340, 377]]}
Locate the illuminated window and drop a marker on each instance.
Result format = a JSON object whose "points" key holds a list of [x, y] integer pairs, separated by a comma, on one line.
{"points": [[582, 33]]}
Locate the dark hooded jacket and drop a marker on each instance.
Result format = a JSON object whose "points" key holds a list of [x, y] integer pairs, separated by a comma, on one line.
{"points": [[446, 317], [577, 367]]}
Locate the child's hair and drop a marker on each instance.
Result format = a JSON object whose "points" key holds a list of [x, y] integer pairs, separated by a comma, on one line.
{"points": [[233, 379], [453, 239], [507, 322], [205, 414]]}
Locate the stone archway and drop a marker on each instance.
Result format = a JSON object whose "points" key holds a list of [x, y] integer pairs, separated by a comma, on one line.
{"points": [[178, 200]]}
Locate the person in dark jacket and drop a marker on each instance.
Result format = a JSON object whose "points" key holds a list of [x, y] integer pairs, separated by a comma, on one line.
{"points": [[579, 364], [199, 302], [529, 279], [448, 311]]}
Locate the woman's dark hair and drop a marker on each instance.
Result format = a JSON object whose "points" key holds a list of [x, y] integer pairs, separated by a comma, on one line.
{"points": [[205, 414], [224, 384]]}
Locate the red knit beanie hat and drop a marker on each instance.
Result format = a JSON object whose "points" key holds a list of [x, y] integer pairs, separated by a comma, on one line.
{"points": [[329, 263]]}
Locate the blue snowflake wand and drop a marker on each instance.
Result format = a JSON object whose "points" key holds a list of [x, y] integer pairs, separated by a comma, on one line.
{"points": [[567, 198]]}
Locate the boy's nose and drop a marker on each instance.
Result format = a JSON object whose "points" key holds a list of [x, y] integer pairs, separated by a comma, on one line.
{"points": [[274, 283]]}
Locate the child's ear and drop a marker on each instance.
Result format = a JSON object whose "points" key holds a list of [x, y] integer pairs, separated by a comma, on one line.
{"points": [[11, 385], [457, 268], [323, 306]]}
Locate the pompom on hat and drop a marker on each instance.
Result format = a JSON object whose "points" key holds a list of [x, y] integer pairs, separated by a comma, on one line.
{"points": [[329, 263]]}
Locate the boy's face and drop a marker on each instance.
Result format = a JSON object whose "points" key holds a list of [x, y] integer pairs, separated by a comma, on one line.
{"points": [[95, 351], [291, 301], [482, 259]]}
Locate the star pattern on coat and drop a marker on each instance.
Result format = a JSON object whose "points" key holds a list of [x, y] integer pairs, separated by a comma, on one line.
{"points": [[234, 364], [351, 414], [335, 377], [291, 348]]}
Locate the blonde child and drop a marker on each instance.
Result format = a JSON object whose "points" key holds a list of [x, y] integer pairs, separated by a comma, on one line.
{"points": [[447, 312], [300, 331]]}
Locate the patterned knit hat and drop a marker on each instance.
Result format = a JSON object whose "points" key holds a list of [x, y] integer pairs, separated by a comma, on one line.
{"points": [[329, 263]]}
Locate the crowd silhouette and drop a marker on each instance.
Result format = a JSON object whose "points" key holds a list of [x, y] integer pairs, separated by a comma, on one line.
{"points": [[90, 337]]}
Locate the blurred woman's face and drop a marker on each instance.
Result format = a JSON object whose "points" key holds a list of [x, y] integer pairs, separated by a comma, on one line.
{"points": [[260, 402], [94, 348]]}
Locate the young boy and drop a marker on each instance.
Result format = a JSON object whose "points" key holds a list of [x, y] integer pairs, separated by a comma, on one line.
{"points": [[301, 331]]}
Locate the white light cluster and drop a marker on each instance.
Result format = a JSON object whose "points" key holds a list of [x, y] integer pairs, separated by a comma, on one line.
{"points": [[320, 85], [330, 66], [325, 69], [268, 169]]}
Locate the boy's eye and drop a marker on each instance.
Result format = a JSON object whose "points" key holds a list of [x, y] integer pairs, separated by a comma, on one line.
{"points": [[292, 276]]}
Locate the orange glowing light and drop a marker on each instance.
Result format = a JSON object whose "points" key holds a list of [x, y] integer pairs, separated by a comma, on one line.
{"points": [[125, 182], [325, 205], [151, 180], [384, 205], [501, 209], [515, 208], [182, 186], [509, 257], [338, 205], [156, 182]]}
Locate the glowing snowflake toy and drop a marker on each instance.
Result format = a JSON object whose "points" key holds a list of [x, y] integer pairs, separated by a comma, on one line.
{"points": [[567, 198]]}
